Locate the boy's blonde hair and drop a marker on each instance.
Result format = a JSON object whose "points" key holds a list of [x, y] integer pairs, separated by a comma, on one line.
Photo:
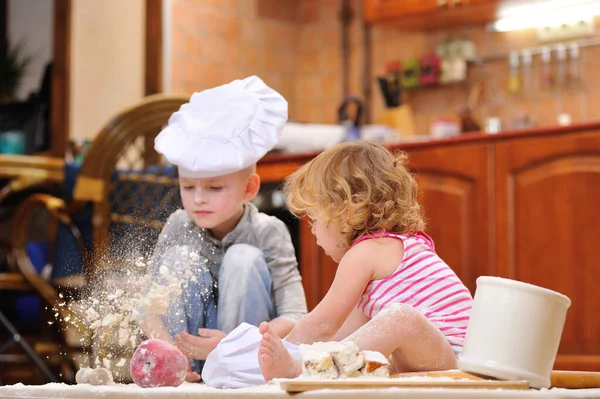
{"points": [[360, 185]]}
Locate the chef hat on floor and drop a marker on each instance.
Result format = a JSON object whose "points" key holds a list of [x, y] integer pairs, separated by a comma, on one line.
{"points": [[224, 129], [234, 362]]}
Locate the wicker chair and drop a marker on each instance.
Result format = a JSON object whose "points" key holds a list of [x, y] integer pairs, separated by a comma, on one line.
{"points": [[124, 187], [21, 175]]}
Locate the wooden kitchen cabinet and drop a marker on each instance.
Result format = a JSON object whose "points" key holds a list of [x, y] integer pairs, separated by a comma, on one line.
{"points": [[521, 205], [456, 199], [316, 267], [430, 14], [548, 229], [376, 10]]}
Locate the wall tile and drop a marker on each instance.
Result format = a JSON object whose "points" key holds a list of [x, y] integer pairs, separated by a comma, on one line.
{"points": [[330, 34], [307, 11], [331, 86], [329, 60], [309, 37], [294, 45], [308, 88], [328, 10], [309, 62], [252, 31], [252, 57]]}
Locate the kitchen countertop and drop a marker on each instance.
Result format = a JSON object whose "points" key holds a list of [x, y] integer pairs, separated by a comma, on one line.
{"points": [[472, 137]]}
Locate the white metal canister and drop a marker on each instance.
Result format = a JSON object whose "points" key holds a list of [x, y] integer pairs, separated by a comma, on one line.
{"points": [[514, 331]]}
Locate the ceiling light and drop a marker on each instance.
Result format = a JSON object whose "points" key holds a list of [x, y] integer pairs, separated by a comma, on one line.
{"points": [[542, 17]]}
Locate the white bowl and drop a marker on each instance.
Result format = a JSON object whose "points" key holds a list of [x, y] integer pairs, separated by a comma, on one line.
{"points": [[309, 137], [514, 331]]}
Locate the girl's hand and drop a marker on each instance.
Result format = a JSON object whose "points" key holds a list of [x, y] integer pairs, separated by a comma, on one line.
{"points": [[198, 347]]}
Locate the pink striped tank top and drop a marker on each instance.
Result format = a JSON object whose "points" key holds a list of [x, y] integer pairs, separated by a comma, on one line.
{"points": [[425, 282]]}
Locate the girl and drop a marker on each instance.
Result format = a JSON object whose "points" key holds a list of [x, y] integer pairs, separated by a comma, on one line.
{"points": [[391, 292]]}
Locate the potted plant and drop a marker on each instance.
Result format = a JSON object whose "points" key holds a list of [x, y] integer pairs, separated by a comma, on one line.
{"points": [[13, 66]]}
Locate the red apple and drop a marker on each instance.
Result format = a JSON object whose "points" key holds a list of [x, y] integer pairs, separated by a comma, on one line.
{"points": [[157, 363]]}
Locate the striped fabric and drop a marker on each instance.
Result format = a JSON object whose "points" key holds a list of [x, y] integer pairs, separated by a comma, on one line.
{"points": [[425, 282]]}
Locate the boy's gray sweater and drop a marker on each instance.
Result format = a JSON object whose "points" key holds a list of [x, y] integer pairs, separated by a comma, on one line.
{"points": [[255, 228]]}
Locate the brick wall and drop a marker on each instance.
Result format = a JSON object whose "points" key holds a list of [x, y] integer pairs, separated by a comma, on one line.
{"points": [[293, 45]]}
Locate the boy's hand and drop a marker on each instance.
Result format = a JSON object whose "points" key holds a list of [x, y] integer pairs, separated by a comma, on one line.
{"points": [[191, 375], [199, 347]]}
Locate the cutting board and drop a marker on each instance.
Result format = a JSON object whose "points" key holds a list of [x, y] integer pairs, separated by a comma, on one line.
{"points": [[461, 380], [559, 379]]}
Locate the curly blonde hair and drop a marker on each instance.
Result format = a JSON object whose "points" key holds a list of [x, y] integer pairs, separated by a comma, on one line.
{"points": [[362, 186]]}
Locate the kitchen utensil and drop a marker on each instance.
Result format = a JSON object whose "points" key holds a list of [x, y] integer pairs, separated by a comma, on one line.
{"points": [[561, 57], [514, 79], [445, 71], [546, 56], [558, 378], [352, 132], [493, 125], [455, 49], [574, 76], [575, 379], [467, 51], [454, 70], [514, 331], [468, 122], [391, 92], [385, 93], [393, 76], [410, 72], [443, 127], [379, 134], [442, 50], [430, 69], [400, 118], [526, 70], [563, 119], [309, 137]]}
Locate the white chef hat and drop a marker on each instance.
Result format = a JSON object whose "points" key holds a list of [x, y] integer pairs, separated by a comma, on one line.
{"points": [[234, 362], [224, 129]]}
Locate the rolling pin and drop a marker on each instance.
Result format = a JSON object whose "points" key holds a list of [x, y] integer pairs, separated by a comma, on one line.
{"points": [[558, 378], [574, 379]]}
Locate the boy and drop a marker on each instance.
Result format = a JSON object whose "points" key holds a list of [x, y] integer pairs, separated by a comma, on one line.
{"points": [[233, 263]]}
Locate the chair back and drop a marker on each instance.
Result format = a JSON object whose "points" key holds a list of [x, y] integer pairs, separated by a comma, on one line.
{"points": [[132, 190]]}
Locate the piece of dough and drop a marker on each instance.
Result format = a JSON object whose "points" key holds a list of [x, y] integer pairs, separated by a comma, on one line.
{"points": [[347, 357], [317, 361], [376, 365], [83, 375], [101, 376]]}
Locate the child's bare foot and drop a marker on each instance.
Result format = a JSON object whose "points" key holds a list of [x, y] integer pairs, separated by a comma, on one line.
{"points": [[274, 359]]}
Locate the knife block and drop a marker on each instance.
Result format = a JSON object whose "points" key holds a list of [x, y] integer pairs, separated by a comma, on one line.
{"points": [[400, 118]]}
